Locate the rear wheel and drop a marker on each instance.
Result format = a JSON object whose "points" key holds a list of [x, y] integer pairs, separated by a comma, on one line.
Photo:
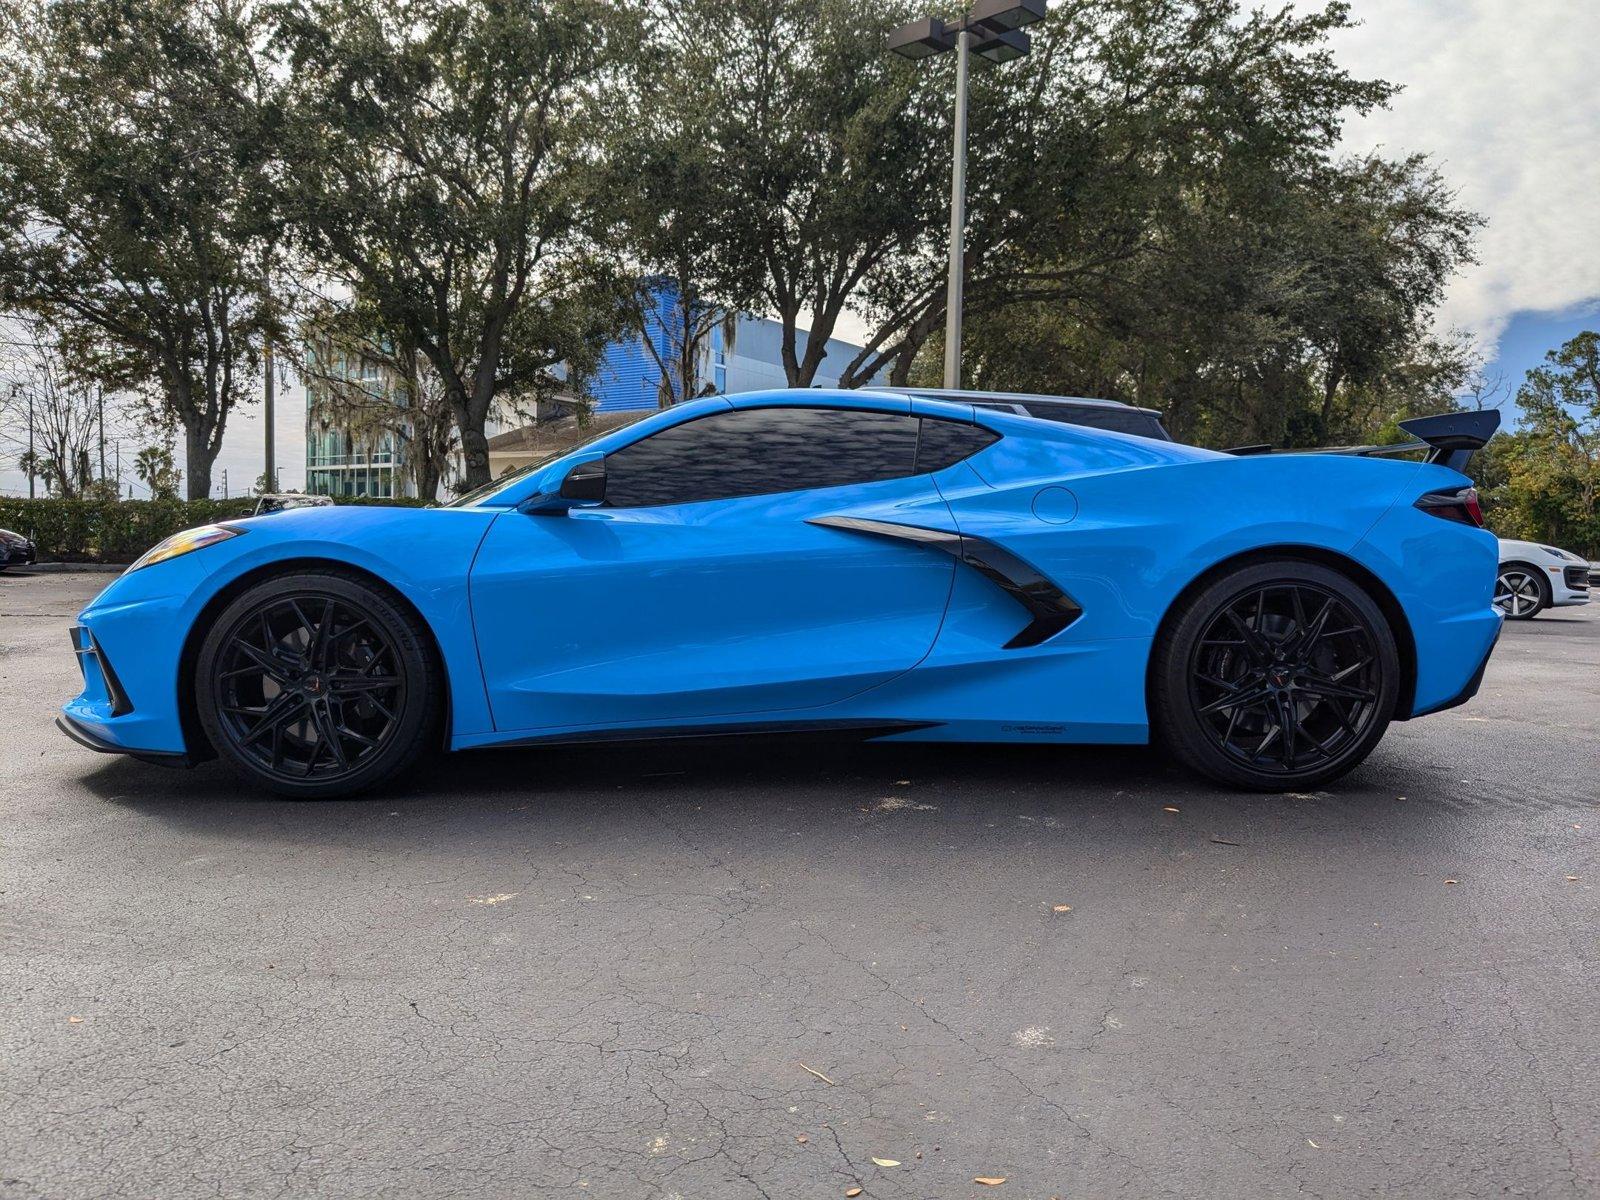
{"points": [[317, 684], [1278, 676], [1520, 592]]}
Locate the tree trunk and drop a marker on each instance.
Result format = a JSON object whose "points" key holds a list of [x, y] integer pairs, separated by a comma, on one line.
{"points": [[198, 458], [427, 477], [474, 454]]}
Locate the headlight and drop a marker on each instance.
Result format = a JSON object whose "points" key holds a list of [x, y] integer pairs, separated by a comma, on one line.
{"points": [[185, 542], [1562, 554]]}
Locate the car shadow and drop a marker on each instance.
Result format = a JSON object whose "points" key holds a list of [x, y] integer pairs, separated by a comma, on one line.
{"points": [[755, 783]]}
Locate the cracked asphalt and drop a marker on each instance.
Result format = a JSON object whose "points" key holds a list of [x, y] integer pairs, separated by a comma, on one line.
{"points": [[596, 972]]}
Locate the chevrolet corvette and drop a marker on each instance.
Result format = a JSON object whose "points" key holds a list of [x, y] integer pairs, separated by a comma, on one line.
{"points": [[883, 564]]}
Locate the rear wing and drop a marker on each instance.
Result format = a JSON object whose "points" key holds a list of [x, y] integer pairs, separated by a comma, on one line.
{"points": [[1449, 439]]}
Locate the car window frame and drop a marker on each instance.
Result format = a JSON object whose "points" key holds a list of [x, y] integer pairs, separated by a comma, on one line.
{"points": [[914, 473]]}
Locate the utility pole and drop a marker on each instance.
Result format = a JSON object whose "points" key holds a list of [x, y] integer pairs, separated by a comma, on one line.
{"points": [[32, 463], [958, 221], [271, 471], [100, 404], [992, 30], [224, 483]]}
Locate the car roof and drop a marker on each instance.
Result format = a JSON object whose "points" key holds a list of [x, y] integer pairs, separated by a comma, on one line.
{"points": [[960, 395]]}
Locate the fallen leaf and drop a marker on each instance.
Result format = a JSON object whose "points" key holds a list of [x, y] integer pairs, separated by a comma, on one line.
{"points": [[886, 1162], [1572, 879], [801, 1138], [497, 898], [852, 1191], [1170, 808], [1452, 881], [74, 1020], [1223, 841], [1312, 1144], [989, 1180], [817, 1073], [1062, 908]]}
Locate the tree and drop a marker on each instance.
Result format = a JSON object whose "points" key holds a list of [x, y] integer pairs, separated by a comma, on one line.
{"points": [[677, 228], [392, 391], [442, 158], [134, 176], [1168, 225], [41, 389], [823, 150], [154, 467], [1547, 472]]}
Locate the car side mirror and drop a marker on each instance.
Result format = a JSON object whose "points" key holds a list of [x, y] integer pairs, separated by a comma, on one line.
{"points": [[583, 484]]}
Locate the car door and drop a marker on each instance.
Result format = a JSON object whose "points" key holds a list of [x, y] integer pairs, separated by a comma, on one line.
{"points": [[700, 589]]}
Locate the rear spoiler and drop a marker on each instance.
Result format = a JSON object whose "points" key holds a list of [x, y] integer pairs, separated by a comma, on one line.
{"points": [[1449, 439]]}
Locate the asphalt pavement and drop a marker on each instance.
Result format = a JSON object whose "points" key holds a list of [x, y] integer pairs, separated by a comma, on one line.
{"points": [[791, 968]]}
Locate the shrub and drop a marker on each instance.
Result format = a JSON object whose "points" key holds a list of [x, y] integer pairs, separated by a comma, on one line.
{"points": [[120, 531]]}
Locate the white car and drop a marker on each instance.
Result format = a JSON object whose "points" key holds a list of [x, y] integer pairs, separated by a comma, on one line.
{"points": [[1534, 577]]}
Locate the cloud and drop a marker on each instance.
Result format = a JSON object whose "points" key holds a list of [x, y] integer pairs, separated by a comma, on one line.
{"points": [[1501, 94]]}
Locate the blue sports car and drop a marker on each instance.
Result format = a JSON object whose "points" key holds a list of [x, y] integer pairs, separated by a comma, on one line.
{"points": [[891, 564]]}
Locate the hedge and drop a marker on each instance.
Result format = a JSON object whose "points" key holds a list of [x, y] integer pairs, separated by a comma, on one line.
{"points": [[118, 531]]}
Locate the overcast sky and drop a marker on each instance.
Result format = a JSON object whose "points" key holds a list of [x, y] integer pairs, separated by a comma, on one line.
{"points": [[1502, 93]]}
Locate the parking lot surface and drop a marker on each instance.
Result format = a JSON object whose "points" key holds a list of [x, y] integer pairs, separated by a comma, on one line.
{"points": [[751, 969]]}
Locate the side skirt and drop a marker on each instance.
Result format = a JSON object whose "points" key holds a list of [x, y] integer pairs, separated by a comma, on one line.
{"points": [[863, 728]]}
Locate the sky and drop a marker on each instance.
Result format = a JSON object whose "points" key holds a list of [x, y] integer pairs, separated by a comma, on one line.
{"points": [[1501, 93]]}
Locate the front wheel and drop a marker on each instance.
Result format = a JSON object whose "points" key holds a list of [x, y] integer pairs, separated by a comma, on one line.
{"points": [[1276, 677], [317, 684]]}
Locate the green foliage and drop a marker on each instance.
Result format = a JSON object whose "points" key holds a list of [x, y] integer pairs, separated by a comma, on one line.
{"points": [[135, 184], [1174, 230], [443, 169], [108, 531], [154, 468], [1541, 482]]}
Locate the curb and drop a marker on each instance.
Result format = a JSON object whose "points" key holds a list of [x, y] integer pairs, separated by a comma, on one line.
{"points": [[62, 568]]}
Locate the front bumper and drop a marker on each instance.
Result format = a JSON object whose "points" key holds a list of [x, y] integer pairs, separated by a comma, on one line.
{"points": [[18, 554], [1569, 585], [85, 735]]}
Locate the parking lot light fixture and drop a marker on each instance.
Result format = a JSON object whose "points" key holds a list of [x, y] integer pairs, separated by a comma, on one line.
{"points": [[992, 30]]}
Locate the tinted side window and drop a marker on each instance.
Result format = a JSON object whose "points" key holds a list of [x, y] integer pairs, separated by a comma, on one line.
{"points": [[945, 443], [756, 451]]}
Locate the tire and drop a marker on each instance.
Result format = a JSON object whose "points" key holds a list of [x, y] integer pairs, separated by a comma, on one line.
{"points": [[1520, 591], [1232, 670], [318, 684]]}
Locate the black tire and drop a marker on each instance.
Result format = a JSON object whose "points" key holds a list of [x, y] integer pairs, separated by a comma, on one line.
{"points": [[1252, 652], [318, 684], [1511, 596]]}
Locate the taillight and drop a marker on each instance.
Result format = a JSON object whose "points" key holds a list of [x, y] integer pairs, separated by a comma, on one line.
{"points": [[1454, 504]]}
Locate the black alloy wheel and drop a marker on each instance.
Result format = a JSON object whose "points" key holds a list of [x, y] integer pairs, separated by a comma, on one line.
{"points": [[1277, 677], [317, 685]]}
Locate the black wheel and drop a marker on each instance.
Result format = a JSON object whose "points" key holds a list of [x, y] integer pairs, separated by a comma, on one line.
{"points": [[1279, 676], [317, 684], [1521, 592]]}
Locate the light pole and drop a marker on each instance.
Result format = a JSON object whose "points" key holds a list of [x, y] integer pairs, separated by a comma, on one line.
{"points": [[993, 31]]}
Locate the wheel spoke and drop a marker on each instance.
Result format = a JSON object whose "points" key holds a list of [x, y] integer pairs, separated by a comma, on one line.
{"points": [[1236, 700], [274, 716], [1319, 685], [328, 732], [266, 660]]}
